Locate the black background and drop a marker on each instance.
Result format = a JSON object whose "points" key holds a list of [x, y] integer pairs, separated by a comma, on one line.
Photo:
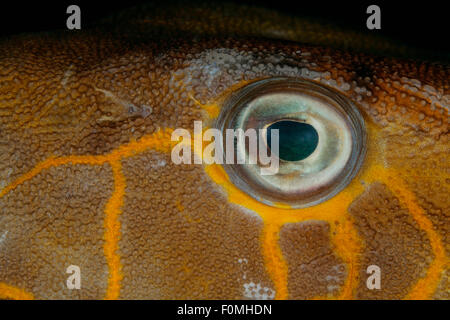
{"points": [[297, 310], [422, 24]]}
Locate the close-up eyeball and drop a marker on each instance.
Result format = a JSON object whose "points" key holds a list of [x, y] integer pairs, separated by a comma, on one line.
{"points": [[224, 150], [321, 140]]}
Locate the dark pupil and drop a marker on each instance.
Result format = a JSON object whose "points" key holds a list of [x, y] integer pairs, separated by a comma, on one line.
{"points": [[297, 139]]}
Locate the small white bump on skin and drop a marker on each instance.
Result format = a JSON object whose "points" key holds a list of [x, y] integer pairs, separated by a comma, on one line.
{"points": [[257, 292], [6, 176], [157, 161], [248, 211], [345, 86], [334, 280], [429, 93], [3, 236], [280, 64], [215, 65], [414, 82], [69, 72], [161, 163], [332, 288], [242, 260], [245, 261]]}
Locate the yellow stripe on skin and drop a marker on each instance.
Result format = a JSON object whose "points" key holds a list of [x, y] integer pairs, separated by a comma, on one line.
{"points": [[348, 244], [212, 110], [273, 259], [426, 286], [10, 292], [345, 238], [391, 177], [112, 232], [160, 141]]}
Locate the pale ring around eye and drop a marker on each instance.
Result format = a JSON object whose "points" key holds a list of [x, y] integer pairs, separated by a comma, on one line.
{"points": [[322, 140]]}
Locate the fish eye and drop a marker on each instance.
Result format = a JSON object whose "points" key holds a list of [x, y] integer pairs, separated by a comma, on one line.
{"points": [[321, 140]]}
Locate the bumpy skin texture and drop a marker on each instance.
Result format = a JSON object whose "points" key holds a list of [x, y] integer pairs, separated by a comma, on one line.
{"points": [[86, 177]]}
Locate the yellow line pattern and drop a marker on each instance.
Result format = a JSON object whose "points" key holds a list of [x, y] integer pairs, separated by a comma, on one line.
{"points": [[274, 260], [346, 240], [160, 141], [348, 244], [426, 286], [112, 232], [344, 237], [10, 292]]}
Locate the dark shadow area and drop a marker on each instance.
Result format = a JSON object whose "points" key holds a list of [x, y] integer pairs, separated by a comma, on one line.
{"points": [[422, 25]]}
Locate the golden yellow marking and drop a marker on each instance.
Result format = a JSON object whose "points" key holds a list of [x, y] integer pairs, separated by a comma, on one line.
{"points": [[274, 260], [112, 232], [212, 110], [49, 163], [348, 247], [347, 243], [426, 286], [160, 141], [344, 237], [179, 206], [10, 292]]}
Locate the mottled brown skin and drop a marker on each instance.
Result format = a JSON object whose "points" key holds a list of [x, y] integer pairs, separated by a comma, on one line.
{"points": [[89, 92], [306, 247]]}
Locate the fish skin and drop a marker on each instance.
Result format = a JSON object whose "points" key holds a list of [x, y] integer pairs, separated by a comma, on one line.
{"points": [[86, 177]]}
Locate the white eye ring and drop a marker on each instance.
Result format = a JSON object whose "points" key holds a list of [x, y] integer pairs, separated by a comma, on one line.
{"points": [[321, 175]]}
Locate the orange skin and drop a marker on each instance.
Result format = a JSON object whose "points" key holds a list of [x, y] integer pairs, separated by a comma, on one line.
{"points": [[86, 177]]}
